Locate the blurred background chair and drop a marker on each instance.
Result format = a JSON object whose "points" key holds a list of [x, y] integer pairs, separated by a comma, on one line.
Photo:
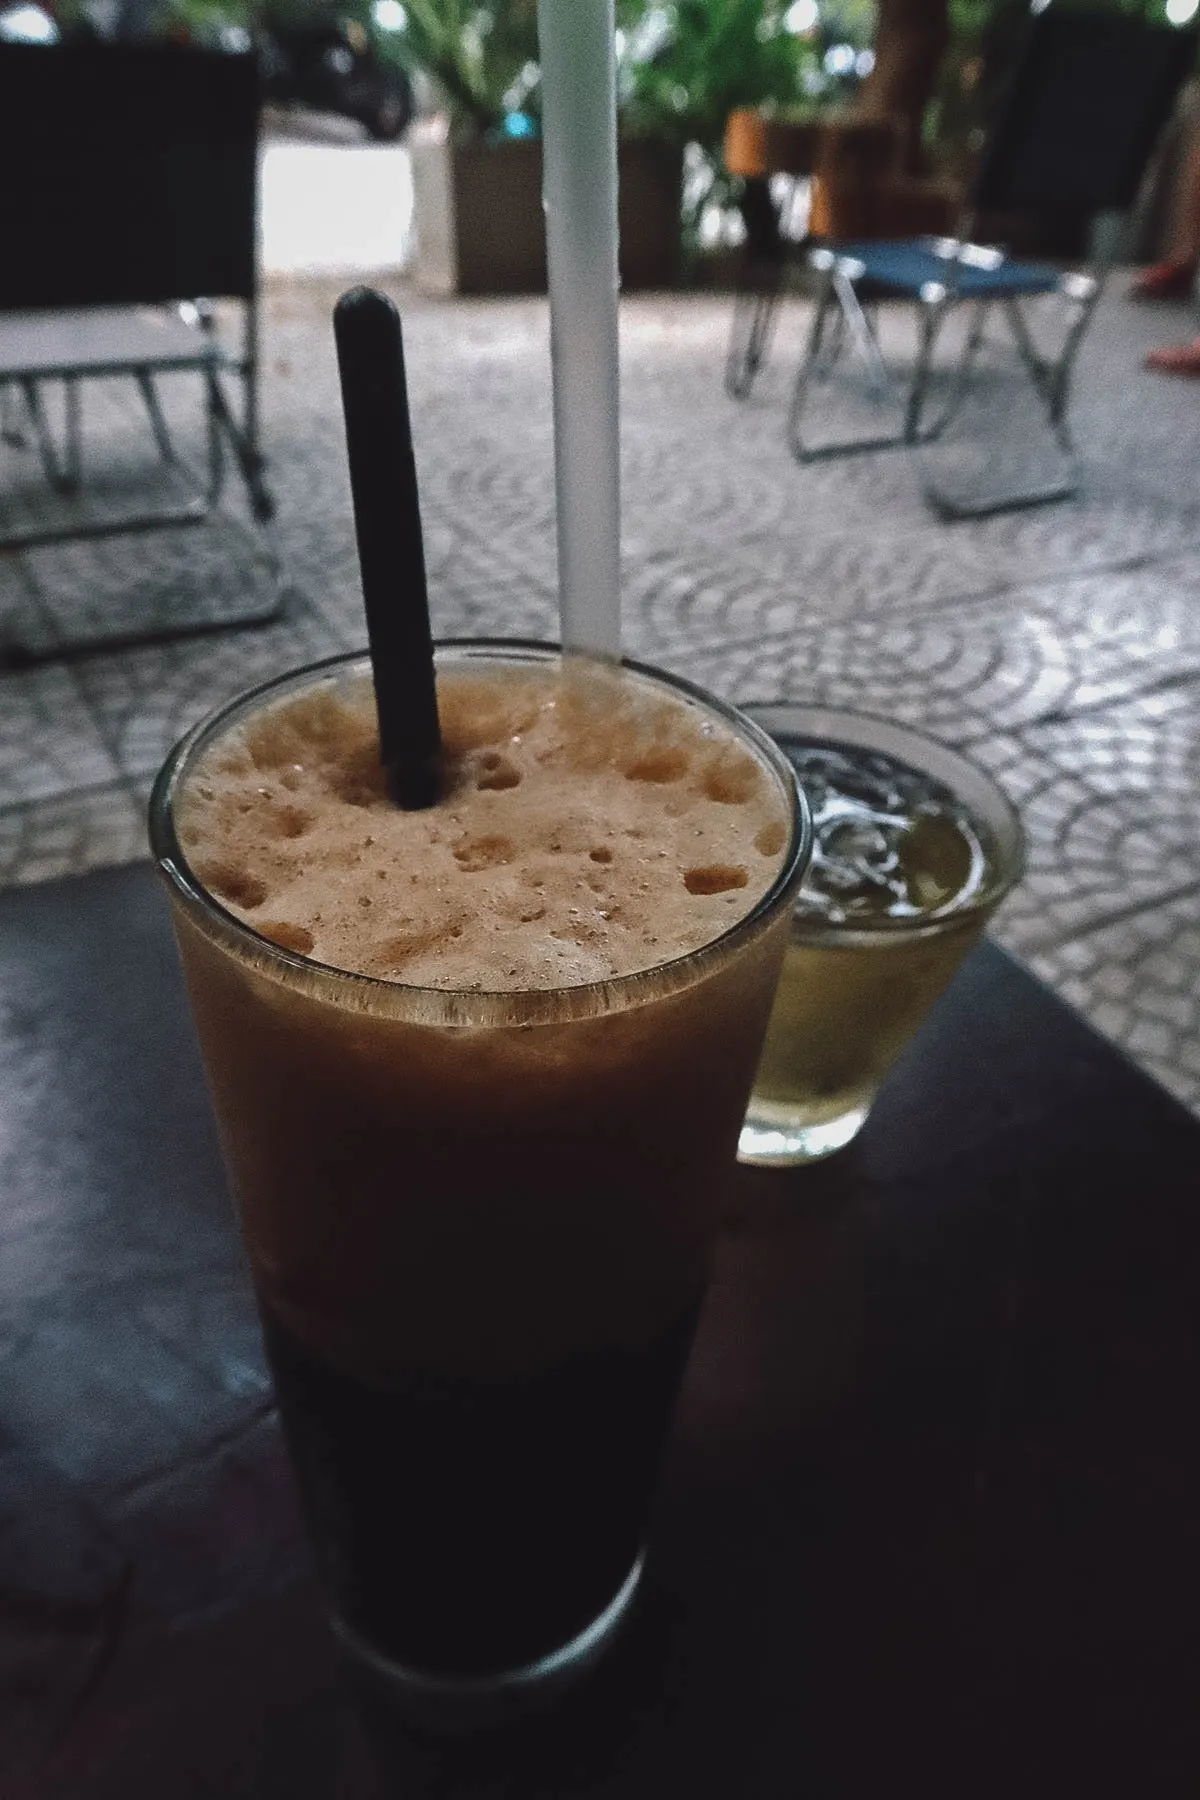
{"points": [[1089, 96], [854, 167], [127, 212], [845, 162]]}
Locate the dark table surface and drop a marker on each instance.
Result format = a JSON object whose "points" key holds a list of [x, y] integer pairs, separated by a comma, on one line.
{"points": [[930, 1521]]}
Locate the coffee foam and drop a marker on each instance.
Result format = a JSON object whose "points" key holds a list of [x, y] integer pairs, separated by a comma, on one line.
{"points": [[589, 827]]}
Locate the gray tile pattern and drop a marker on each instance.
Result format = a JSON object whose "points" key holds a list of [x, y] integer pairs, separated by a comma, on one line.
{"points": [[51, 743], [1061, 646], [95, 828], [1144, 752], [1012, 661], [200, 575], [146, 699], [1093, 856], [1139, 981]]}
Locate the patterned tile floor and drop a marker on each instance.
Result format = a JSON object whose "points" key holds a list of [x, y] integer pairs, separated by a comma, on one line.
{"points": [[1061, 644]]}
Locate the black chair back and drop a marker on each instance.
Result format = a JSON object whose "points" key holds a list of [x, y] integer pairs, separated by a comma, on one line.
{"points": [[1090, 94], [128, 174]]}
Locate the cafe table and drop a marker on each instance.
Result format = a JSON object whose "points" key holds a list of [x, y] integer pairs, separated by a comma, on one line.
{"points": [[929, 1521]]}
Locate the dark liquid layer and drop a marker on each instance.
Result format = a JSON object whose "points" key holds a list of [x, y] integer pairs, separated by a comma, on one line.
{"points": [[466, 1528]]}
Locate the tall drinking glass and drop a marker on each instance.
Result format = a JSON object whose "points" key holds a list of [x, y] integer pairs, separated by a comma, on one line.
{"points": [[479, 1225]]}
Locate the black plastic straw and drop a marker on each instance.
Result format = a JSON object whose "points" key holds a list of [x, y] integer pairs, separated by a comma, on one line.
{"points": [[391, 554]]}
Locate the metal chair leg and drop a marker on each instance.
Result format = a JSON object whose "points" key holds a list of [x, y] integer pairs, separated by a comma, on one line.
{"points": [[832, 342], [158, 422], [10, 430], [754, 314], [757, 301], [215, 436], [960, 377], [862, 332], [946, 506], [62, 474], [250, 370], [1041, 372], [243, 437], [1082, 304], [1050, 382], [251, 464], [254, 463], [930, 316], [821, 312], [854, 324], [73, 406]]}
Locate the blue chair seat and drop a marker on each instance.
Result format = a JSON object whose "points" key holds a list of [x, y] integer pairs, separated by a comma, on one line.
{"points": [[905, 268]]}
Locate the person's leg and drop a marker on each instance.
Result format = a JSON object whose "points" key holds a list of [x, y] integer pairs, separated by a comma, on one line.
{"points": [[1169, 280], [1174, 278], [1176, 359]]}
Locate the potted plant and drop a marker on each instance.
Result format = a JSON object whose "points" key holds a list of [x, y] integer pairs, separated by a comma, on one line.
{"points": [[477, 167], [684, 68]]}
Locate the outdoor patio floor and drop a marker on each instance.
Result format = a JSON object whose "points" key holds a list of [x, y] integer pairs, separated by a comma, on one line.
{"points": [[1061, 645]]}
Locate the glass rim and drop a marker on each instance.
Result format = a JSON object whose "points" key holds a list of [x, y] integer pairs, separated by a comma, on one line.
{"points": [[1011, 855], [468, 1006]]}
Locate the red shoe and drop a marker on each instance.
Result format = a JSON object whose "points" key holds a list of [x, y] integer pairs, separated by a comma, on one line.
{"points": [[1165, 281], [1176, 359]]}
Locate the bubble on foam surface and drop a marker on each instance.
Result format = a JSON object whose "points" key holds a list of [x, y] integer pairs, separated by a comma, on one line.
{"points": [[285, 821], [230, 882], [771, 839], [662, 764], [287, 935], [486, 852], [716, 878], [497, 772], [731, 778], [588, 826]]}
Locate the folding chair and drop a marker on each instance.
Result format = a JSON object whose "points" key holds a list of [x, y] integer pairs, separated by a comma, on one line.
{"points": [[775, 154], [1090, 94], [128, 208]]}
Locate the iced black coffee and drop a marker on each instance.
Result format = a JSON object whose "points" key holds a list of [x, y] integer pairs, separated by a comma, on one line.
{"points": [[479, 1072]]}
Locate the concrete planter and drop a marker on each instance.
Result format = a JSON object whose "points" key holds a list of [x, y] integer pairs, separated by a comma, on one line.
{"points": [[479, 221]]}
